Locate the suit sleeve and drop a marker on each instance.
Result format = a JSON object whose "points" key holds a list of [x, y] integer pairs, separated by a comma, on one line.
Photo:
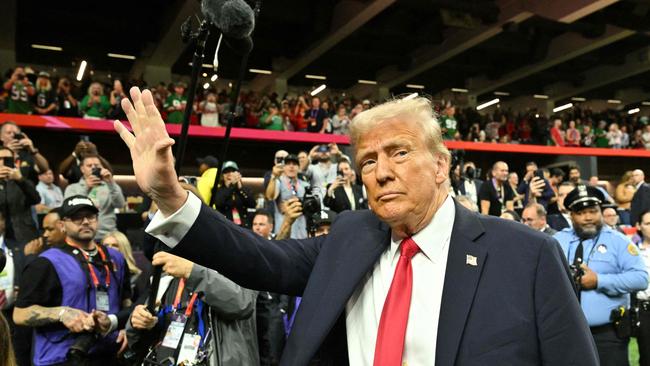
{"points": [[209, 239], [228, 299], [563, 333]]}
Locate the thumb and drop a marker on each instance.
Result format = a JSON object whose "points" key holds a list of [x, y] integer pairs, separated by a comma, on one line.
{"points": [[162, 147]]}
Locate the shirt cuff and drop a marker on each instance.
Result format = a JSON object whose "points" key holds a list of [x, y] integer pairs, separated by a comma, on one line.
{"points": [[171, 230], [113, 319]]}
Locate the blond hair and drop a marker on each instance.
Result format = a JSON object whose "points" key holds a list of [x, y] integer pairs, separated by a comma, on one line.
{"points": [[7, 357], [418, 110], [126, 250]]}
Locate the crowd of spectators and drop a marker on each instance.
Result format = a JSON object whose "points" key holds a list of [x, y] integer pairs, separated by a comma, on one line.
{"points": [[25, 91]]}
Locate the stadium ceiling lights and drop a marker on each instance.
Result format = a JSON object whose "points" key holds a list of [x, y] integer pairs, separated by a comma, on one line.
{"points": [[578, 99], [613, 101], [46, 47], [214, 77], [410, 96], [259, 71], [645, 103], [562, 107], [540, 96], [368, 82], [315, 77], [459, 90], [487, 104], [206, 86], [318, 90], [82, 69], [505, 94], [207, 66], [633, 110], [415, 86], [122, 56]]}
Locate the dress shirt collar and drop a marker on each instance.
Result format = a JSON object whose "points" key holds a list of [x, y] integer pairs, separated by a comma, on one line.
{"points": [[433, 237]]}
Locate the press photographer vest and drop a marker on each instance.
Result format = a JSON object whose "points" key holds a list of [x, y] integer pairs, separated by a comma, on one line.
{"points": [[51, 346]]}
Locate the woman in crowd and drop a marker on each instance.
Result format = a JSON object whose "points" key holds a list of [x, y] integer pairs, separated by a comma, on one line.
{"points": [[7, 357], [623, 196], [341, 122], [209, 111], [572, 135], [117, 94], [95, 104], [139, 280]]}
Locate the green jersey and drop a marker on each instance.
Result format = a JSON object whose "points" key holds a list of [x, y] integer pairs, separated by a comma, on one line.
{"points": [[175, 100]]}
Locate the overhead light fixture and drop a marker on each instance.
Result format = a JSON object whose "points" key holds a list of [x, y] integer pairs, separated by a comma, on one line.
{"points": [[415, 86], [505, 94], [260, 71], [214, 77], [315, 77], [459, 90], [318, 90], [562, 107], [540, 96], [410, 96], [579, 99], [206, 86], [46, 47], [205, 75], [536, 115], [82, 69], [207, 66], [633, 110], [487, 104], [230, 85], [119, 55], [645, 103], [369, 82], [613, 101]]}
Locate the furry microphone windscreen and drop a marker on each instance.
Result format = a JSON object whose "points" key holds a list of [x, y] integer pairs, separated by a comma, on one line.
{"points": [[234, 18]]}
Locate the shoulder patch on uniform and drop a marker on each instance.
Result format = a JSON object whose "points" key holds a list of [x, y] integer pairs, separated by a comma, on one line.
{"points": [[632, 249]]}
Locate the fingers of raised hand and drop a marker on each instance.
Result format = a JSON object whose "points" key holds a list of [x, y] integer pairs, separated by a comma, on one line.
{"points": [[149, 105], [125, 134]]}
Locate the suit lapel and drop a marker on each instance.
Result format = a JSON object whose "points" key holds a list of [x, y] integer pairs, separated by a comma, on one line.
{"points": [[465, 263]]}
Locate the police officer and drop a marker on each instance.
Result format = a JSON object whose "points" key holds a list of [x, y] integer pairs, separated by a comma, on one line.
{"points": [[606, 268], [76, 295]]}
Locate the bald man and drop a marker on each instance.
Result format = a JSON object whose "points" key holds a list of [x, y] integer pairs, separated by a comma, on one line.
{"points": [[641, 199]]}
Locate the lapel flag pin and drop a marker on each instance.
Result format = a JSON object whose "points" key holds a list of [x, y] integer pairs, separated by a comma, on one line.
{"points": [[471, 260]]}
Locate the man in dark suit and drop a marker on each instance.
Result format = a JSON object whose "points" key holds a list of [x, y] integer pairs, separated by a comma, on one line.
{"points": [[344, 194], [641, 198], [561, 220], [356, 289]]}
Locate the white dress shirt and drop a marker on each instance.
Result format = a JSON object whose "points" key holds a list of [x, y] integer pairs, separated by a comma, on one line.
{"points": [[363, 309]]}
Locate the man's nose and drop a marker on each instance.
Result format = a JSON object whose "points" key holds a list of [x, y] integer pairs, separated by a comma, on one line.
{"points": [[384, 169]]}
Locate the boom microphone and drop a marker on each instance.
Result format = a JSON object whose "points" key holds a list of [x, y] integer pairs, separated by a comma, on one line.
{"points": [[234, 18]]}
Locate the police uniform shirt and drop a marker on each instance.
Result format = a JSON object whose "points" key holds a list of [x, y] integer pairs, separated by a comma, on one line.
{"points": [[644, 253], [619, 268]]}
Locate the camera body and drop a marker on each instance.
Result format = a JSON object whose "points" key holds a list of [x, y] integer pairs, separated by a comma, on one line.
{"points": [[576, 275], [19, 136], [9, 162], [310, 209], [80, 349]]}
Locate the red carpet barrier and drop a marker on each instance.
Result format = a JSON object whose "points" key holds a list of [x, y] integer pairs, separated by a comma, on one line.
{"points": [[105, 126]]}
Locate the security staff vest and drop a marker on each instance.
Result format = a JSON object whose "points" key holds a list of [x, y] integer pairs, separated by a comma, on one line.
{"points": [[51, 346]]}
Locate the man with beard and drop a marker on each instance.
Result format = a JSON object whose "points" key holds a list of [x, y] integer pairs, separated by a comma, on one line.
{"points": [[606, 269]]}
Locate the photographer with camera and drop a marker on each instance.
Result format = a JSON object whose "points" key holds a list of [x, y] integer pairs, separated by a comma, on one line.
{"points": [[97, 183], [284, 186], [76, 295], [17, 195], [470, 184], [535, 187], [233, 199], [31, 161], [202, 312], [344, 193], [20, 90], [606, 268]]}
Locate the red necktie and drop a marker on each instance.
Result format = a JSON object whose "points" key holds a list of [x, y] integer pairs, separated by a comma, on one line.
{"points": [[395, 314]]}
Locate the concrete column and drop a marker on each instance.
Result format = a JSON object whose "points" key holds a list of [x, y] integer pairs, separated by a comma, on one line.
{"points": [[383, 93], [281, 86], [153, 74]]}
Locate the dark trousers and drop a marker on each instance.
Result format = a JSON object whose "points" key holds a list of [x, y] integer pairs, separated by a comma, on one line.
{"points": [[643, 334], [612, 350]]}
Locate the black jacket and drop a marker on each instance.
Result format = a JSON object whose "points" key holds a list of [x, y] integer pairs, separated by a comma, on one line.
{"points": [[16, 200], [340, 201], [228, 198], [640, 203], [557, 222]]}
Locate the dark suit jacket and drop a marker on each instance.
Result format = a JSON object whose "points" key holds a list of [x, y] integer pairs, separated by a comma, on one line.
{"points": [[640, 202], [557, 222], [516, 306], [461, 187], [16, 200], [340, 201]]}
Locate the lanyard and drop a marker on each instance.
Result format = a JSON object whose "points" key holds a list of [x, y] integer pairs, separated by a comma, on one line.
{"points": [[288, 320], [93, 276], [500, 193], [293, 188], [179, 292]]}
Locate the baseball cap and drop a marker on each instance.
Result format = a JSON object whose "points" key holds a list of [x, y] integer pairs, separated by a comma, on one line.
{"points": [[230, 165], [326, 217], [74, 204], [293, 158], [44, 74]]}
